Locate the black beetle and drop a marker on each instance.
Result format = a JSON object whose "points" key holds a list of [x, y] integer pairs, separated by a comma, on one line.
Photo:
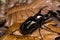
{"points": [[36, 21]]}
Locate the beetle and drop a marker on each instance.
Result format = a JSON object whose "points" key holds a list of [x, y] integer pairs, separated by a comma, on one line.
{"points": [[36, 21]]}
